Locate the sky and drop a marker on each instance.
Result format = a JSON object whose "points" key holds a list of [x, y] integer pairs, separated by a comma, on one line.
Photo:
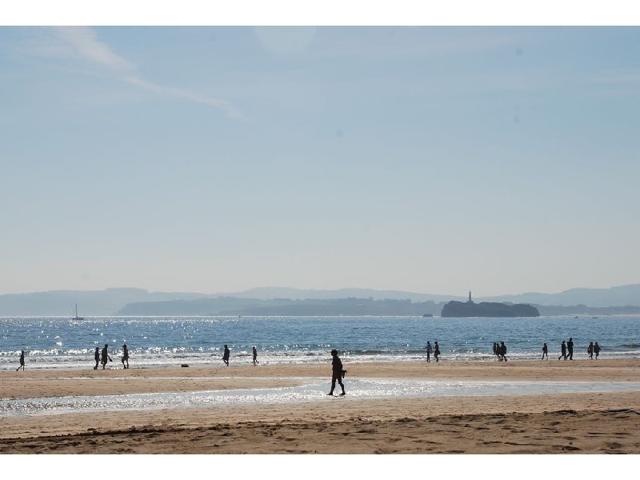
{"points": [[501, 160]]}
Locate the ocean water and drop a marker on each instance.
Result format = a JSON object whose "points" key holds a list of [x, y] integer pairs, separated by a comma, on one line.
{"points": [[52, 342]]}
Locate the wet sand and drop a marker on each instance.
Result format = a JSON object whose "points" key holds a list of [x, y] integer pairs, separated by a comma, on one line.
{"points": [[583, 423], [48, 383]]}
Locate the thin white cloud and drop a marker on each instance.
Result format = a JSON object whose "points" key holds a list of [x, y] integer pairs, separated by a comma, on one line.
{"points": [[85, 44], [182, 93]]}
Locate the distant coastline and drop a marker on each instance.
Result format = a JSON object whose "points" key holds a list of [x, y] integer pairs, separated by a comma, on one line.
{"points": [[345, 306], [266, 302]]}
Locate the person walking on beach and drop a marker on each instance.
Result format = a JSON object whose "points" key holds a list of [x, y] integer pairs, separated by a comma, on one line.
{"points": [[596, 350], [570, 348], [429, 350], [436, 352], [96, 357], [105, 356], [563, 350], [545, 351], [337, 373], [255, 356], [503, 351], [125, 356], [225, 355], [21, 361], [495, 350], [590, 350]]}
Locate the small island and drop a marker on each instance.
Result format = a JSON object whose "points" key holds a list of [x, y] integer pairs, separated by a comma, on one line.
{"points": [[488, 309]]}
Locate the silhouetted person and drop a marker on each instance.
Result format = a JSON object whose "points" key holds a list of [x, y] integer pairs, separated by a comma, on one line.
{"points": [[105, 356], [503, 351], [590, 350], [21, 361], [545, 352], [255, 355], [570, 348], [436, 352], [337, 372], [596, 350], [429, 351], [563, 350], [225, 355], [125, 356], [96, 357], [495, 349]]}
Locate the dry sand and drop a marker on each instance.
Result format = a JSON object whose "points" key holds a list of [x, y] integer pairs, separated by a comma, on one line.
{"points": [[597, 422]]}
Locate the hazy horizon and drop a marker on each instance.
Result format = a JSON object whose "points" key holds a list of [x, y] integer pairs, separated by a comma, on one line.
{"points": [[461, 294], [497, 160]]}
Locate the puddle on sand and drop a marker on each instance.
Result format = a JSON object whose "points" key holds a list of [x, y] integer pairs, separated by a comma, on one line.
{"points": [[311, 389]]}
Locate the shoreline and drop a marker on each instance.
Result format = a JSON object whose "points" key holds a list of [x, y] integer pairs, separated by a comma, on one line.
{"points": [[244, 360]]}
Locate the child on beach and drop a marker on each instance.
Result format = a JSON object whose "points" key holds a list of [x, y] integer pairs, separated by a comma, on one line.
{"points": [[21, 361], [429, 350], [436, 352], [590, 350], [96, 356], [255, 355]]}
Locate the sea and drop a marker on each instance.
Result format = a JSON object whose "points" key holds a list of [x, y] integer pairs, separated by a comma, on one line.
{"points": [[57, 342]]}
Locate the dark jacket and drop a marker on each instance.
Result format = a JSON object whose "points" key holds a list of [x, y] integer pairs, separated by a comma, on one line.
{"points": [[337, 366]]}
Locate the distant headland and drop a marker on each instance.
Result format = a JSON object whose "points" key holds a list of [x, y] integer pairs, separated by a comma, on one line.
{"points": [[488, 309]]}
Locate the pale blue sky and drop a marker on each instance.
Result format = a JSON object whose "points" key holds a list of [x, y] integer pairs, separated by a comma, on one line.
{"points": [[216, 159]]}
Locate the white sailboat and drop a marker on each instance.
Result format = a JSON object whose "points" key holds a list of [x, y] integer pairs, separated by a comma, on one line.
{"points": [[76, 316]]}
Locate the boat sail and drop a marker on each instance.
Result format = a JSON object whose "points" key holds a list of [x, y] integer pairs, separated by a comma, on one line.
{"points": [[76, 317]]}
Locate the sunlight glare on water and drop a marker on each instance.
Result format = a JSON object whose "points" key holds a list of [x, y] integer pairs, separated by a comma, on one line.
{"points": [[163, 341], [312, 389]]}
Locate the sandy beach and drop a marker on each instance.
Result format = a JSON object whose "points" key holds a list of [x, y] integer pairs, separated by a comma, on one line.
{"points": [[551, 423]]}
